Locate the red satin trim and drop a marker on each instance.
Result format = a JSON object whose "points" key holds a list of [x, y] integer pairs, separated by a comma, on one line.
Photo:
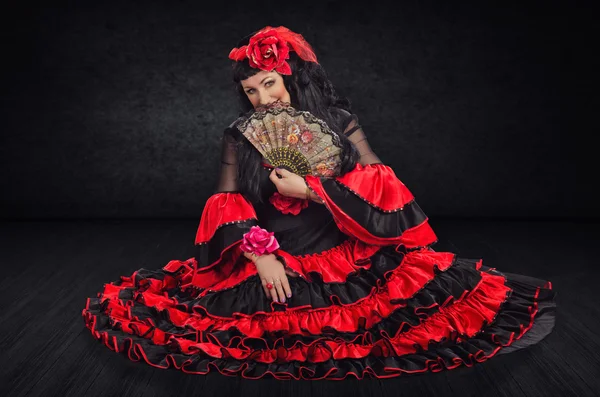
{"points": [[467, 317], [334, 264], [222, 208], [384, 189], [415, 271], [135, 352], [417, 236], [230, 272], [228, 275]]}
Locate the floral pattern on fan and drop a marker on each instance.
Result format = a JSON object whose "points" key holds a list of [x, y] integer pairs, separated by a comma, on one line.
{"points": [[293, 139]]}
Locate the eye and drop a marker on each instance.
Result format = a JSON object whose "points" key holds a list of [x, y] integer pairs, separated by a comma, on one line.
{"points": [[250, 91], [269, 83]]}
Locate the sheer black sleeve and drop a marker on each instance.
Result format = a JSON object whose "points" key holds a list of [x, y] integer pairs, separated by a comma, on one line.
{"points": [[353, 130], [228, 181]]}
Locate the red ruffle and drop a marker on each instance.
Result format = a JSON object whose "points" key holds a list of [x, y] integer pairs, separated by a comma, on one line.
{"points": [[464, 317], [334, 265], [220, 209], [386, 186], [384, 189], [462, 322], [415, 271]]}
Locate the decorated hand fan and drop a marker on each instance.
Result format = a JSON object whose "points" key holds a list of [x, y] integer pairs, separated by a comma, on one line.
{"points": [[293, 139]]}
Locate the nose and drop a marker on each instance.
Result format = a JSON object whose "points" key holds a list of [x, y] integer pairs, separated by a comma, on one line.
{"points": [[265, 99]]}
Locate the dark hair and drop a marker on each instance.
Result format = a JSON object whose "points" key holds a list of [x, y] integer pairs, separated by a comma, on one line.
{"points": [[310, 90]]}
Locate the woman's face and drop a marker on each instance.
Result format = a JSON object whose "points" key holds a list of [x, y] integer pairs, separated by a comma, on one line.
{"points": [[264, 88]]}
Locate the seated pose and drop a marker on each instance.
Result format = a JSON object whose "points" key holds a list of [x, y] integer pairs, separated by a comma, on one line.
{"points": [[311, 276]]}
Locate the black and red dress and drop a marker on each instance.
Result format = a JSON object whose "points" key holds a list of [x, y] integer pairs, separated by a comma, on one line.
{"points": [[372, 297]]}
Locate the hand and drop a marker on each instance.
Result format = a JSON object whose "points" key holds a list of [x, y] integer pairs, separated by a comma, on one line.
{"points": [[271, 270], [290, 185]]}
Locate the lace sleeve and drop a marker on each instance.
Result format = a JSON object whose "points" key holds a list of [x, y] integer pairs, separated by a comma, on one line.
{"points": [[356, 135], [228, 181]]}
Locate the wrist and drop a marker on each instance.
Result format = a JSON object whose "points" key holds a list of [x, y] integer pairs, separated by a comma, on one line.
{"points": [[254, 257], [310, 195], [257, 257]]}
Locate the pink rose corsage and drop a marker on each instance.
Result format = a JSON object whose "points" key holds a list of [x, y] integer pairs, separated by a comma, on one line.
{"points": [[259, 241], [288, 205]]}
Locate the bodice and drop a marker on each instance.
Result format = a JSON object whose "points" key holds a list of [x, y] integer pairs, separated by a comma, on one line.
{"points": [[313, 230]]}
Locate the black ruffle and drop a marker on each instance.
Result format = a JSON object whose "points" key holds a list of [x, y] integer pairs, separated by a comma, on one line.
{"points": [[247, 297], [457, 281], [513, 318], [208, 253], [377, 222]]}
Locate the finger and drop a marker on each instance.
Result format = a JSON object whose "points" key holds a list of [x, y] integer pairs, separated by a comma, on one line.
{"points": [[273, 177], [264, 285], [280, 290], [273, 292], [286, 287], [283, 172]]}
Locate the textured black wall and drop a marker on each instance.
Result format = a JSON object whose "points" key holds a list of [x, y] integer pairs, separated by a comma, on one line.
{"points": [[114, 110]]}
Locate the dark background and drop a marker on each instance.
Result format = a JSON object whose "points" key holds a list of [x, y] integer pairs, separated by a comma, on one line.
{"points": [[115, 110]]}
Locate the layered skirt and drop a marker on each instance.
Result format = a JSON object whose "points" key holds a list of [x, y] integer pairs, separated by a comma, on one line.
{"points": [[358, 311]]}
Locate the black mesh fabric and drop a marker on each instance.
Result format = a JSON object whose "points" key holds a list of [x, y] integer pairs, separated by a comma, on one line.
{"points": [[228, 181], [354, 132]]}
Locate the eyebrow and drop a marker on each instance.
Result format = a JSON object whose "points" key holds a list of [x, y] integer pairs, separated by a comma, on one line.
{"points": [[260, 82]]}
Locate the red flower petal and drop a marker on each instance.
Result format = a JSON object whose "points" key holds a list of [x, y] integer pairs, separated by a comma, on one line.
{"points": [[288, 205], [270, 40], [284, 69], [257, 56], [266, 52], [284, 49], [237, 54]]}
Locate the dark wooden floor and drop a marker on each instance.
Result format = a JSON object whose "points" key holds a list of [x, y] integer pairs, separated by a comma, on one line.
{"points": [[49, 268]]}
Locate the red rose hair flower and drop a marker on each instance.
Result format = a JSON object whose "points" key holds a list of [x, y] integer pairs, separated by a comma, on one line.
{"points": [[288, 205], [270, 48]]}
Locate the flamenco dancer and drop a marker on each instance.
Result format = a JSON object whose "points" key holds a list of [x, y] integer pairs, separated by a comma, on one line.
{"points": [[313, 260]]}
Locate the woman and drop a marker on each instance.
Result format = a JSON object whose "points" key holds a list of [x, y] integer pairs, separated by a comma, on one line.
{"points": [[347, 283]]}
